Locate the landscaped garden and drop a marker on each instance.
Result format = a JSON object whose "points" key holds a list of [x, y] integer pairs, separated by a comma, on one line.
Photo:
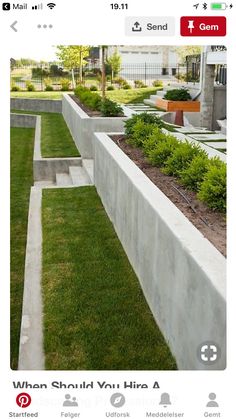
{"points": [[22, 145]]}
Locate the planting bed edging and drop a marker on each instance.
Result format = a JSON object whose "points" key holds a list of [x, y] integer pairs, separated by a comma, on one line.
{"points": [[37, 105], [181, 272], [44, 169], [82, 126]]}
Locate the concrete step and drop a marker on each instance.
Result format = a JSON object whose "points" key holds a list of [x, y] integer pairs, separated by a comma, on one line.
{"points": [[63, 179], [79, 176], [43, 183], [88, 165]]}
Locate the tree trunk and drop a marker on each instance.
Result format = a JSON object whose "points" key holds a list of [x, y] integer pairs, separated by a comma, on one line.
{"points": [[103, 73]]}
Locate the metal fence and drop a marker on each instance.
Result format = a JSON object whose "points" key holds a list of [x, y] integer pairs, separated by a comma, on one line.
{"points": [[136, 75], [40, 78]]}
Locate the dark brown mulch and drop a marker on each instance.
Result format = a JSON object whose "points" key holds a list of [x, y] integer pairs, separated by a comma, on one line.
{"points": [[210, 223]]}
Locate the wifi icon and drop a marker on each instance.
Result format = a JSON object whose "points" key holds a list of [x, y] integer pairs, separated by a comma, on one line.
{"points": [[51, 5]]}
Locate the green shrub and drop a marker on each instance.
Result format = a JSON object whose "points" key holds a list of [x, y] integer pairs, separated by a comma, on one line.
{"points": [[65, 85], [89, 99], [213, 187], [178, 94], [182, 157], [120, 81], [30, 87], [93, 88], [126, 86], [138, 84], [141, 131], [192, 176], [110, 108], [48, 88], [163, 150], [15, 89], [110, 87], [151, 141], [157, 83], [145, 117]]}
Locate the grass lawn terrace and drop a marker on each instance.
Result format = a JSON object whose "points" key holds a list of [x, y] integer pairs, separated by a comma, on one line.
{"points": [[95, 314], [56, 139], [22, 144]]}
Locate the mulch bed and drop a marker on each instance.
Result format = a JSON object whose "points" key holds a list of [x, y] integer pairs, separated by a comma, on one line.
{"points": [[211, 224]]}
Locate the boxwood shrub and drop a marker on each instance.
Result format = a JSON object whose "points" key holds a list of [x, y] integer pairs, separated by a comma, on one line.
{"points": [[178, 95]]}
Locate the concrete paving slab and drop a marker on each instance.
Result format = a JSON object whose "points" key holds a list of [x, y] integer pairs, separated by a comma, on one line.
{"points": [[218, 145]]}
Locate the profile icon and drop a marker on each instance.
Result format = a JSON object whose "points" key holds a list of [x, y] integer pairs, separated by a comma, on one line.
{"points": [[70, 402], [212, 402]]}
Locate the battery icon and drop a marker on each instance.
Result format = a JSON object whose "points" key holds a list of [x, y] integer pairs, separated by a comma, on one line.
{"points": [[218, 6]]}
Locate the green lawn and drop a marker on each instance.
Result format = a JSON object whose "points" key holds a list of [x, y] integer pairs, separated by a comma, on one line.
{"points": [[38, 95], [131, 95], [95, 314], [56, 140], [22, 144], [118, 95]]}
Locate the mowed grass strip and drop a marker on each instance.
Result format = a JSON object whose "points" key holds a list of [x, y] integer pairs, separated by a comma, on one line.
{"points": [[56, 139], [22, 144], [95, 314]]}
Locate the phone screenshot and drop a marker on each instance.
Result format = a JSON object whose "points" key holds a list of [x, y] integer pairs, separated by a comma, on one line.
{"points": [[117, 226]]}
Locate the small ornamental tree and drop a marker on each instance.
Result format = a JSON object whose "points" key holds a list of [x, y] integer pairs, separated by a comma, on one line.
{"points": [[73, 56]]}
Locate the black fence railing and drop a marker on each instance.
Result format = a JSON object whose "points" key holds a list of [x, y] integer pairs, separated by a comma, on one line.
{"points": [[143, 74]]}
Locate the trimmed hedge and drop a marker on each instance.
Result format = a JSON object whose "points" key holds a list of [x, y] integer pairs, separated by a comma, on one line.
{"points": [[185, 160], [95, 102]]}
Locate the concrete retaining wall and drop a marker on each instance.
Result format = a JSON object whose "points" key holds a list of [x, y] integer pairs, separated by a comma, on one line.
{"points": [[22, 120], [181, 273], [82, 127], [43, 168], [36, 105]]}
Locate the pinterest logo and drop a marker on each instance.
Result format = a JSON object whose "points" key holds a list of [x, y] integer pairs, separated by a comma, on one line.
{"points": [[23, 400]]}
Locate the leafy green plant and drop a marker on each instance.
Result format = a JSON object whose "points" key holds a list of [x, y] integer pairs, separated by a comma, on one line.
{"points": [[139, 84], [15, 89], [177, 95], [91, 100], [192, 176], [30, 87], [65, 85], [213, 188], [163, 150], [157, 83], [93, 88], [141, 131], [48, 88], [110, 108], [151, 141], [182, 157], [110, 87], [145, 117], [126, 86]]}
